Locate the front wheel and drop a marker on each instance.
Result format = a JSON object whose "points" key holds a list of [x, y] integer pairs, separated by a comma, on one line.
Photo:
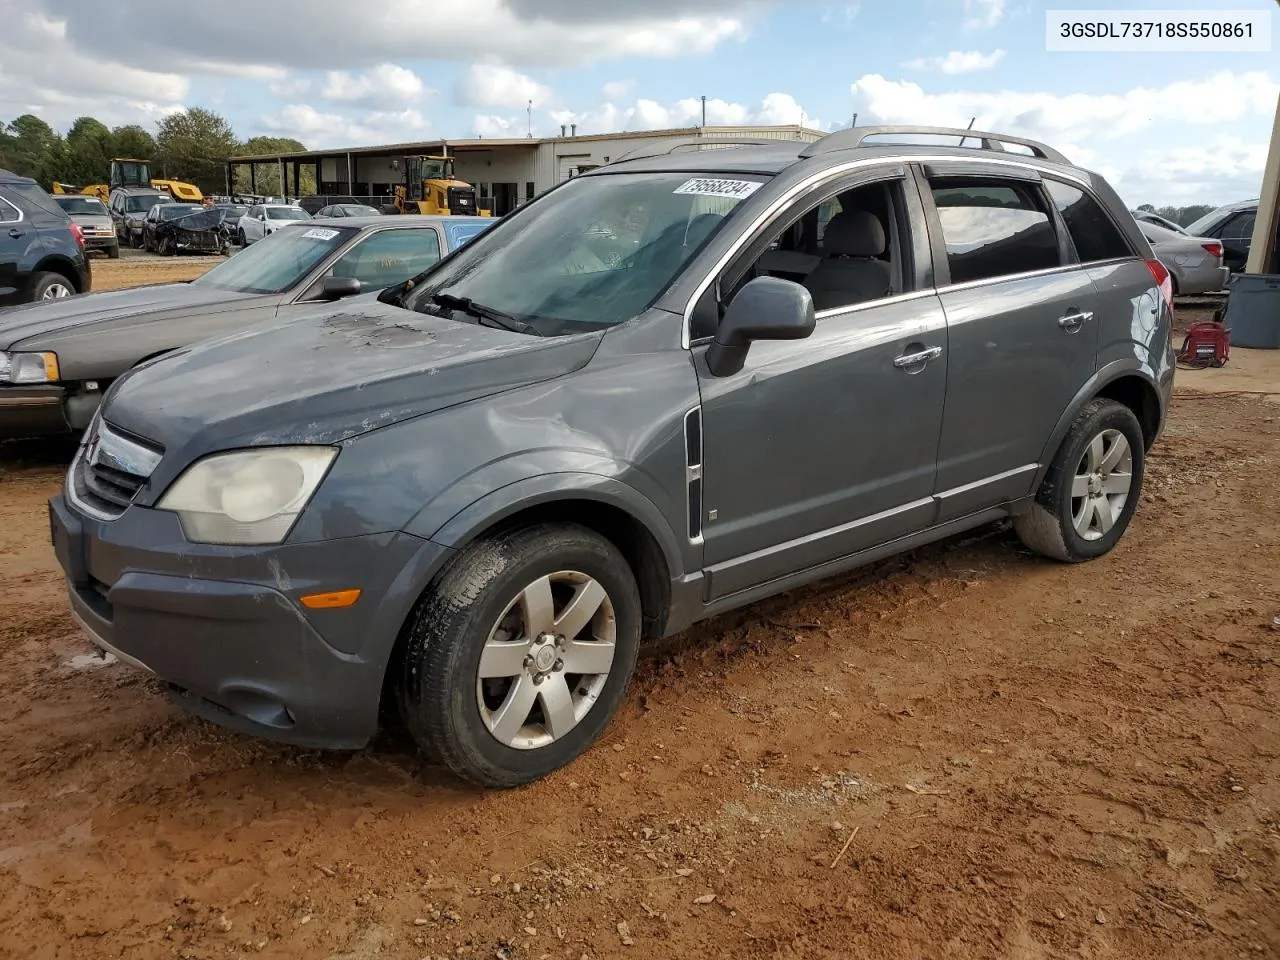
{"points": [[1091, 488], [521, 653], [50, 286], [113, 251]]}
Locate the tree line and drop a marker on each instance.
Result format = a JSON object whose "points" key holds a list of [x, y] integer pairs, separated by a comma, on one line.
{"points": [[192, 145], [1182, 216]]}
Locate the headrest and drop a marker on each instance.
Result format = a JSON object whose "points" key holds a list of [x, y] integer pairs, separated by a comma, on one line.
{"points": [[854, 233]]}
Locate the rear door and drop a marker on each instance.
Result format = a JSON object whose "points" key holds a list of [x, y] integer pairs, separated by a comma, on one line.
{"points": [[1237, 237], [1022, 332], [15, 235]]}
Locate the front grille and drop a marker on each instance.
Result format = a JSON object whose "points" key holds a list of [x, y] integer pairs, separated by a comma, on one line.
{"points": [[110, 469]]}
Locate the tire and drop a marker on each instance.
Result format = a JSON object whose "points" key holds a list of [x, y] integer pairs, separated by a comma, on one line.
{"points": [[456, 717], [50, 286], [240, 238], [166, 247], [113, 251], [1075, 503]]}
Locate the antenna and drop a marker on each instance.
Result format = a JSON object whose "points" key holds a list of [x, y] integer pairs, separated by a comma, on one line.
{"points": [[854, 122], [704, 111], [969, 127]]}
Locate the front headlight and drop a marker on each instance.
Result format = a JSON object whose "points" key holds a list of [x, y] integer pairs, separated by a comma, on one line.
{"points": [[248, 496], [28, 367]]}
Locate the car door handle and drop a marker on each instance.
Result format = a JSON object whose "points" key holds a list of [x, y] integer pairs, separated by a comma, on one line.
{"points": [[917, 357], [15, 233], [1073, 321]]}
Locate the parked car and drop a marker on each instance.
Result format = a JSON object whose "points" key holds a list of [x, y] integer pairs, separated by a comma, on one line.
{"points": [[163, 213], [1146, 216], [1194, 263], [91, 216], [480, 490], [86, 342], [348, 210], [41, 251], [230, 226], [129, 207], [266, 218], [1233, 225]]}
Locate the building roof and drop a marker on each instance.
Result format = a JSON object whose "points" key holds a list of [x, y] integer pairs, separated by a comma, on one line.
{"points": [[480, 143]]}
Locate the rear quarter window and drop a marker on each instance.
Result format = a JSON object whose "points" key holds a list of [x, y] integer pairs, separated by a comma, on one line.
{"points": [[1094, 234], [35, 199]]}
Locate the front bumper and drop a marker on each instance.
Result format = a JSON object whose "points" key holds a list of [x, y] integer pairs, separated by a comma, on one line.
{"points": [[223, 626], [35, 411]]}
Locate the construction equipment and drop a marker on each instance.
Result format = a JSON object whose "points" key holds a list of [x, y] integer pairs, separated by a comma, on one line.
{"points": [[430, 187], [126, 172]]}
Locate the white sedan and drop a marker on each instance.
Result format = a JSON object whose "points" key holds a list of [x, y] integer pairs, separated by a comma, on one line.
{"points": [[265, 218]]}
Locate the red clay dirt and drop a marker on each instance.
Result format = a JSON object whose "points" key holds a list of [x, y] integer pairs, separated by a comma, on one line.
{"points": [[965, 752]]}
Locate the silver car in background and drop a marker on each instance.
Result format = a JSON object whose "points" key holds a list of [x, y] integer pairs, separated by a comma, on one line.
{"points": [[1195, 263], [94, 220]]}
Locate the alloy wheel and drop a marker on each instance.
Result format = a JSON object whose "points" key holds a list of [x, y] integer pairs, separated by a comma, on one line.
{"points": [[55, 291], [1102, 483], [546, 660]]}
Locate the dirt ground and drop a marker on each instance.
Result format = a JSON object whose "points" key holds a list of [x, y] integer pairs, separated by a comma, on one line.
{"points": [[135, 268], [965, 752]]}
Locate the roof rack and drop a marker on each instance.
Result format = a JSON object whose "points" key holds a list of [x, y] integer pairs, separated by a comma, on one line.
{"points": [[855, 136], [665, 147]]}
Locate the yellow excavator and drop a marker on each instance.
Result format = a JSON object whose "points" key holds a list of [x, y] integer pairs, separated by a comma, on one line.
{"points": [[431, 187], [134, 173]]}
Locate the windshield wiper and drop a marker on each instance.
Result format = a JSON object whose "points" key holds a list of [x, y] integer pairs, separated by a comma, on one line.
{"points": [[495, 317]]}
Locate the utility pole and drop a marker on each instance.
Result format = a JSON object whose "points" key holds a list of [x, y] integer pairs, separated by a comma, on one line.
{"points": [[704, 111], [530, 119]]}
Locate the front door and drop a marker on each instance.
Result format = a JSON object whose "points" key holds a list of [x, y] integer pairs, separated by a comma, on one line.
{"points": [[1237, 237], [822, 447], [1022, 333]]}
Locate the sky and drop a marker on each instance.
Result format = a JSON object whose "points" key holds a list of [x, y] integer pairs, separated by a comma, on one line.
{"points": [[1164, 128]]}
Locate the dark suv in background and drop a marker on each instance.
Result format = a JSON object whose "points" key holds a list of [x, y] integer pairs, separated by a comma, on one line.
{"points": [[41, 251], [677, 384]]}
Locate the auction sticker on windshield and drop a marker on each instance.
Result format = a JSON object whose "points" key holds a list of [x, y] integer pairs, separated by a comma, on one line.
{"points": [[711, 187], [319, 233]]}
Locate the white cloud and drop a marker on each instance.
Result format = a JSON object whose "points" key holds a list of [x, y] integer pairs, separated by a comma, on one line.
{"points": [[328, 130], [385, 83], [983, 14], [493, 85], [1224, 170], [845, 14], [1083, 117], [957, 61], [489, 125], [289, 89], [618, 89], [522, 34], [646, 114]]}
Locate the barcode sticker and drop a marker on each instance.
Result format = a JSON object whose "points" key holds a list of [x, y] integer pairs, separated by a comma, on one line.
{"points": [[320, 233], [712, 187]]}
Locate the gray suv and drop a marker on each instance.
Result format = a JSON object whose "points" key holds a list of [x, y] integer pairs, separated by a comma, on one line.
{"points": [[664, 389]]}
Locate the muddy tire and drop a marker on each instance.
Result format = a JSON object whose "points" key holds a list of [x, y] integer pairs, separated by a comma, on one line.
{"points": [[1091, 488], [520, 654]]}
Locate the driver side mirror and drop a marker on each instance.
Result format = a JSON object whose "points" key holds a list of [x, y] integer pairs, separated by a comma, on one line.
{"points": [[338, 288], [766, 308]]}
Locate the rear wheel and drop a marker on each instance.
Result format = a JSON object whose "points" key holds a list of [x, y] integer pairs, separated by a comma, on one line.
{"points": [[50, 286], [1091, 488], [521, 654]]}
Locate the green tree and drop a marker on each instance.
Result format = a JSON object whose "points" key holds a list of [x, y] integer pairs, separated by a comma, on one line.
{"points": [[268, 177], [132, 143], [193, 145], [31, 147], [1147, 207], [87, 158]]}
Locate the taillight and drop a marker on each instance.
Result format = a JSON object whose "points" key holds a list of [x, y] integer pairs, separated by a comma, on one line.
{"points": [[1160, 273], [78, 234], [1214, 250]]}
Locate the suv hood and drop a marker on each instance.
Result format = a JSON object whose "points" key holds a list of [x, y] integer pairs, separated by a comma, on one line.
{"points": [[24, 326], [328, 376]]}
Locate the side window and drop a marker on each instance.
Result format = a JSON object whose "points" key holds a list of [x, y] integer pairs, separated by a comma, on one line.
{"points": [[1240, 227], [1091, 230], [826, 211], [993, 228], [389, 256], [8, 212]]}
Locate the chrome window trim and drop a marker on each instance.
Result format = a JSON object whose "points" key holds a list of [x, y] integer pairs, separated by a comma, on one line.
{"points": [[821, 177]]}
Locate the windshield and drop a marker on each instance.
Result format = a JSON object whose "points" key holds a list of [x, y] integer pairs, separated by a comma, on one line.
{"points": [[355, 210], [176, 210], [1207, 222], [287, 213], [460, 232], [233, 213], [278, 262], [592, 253], [145, 203], [84, 205]]}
